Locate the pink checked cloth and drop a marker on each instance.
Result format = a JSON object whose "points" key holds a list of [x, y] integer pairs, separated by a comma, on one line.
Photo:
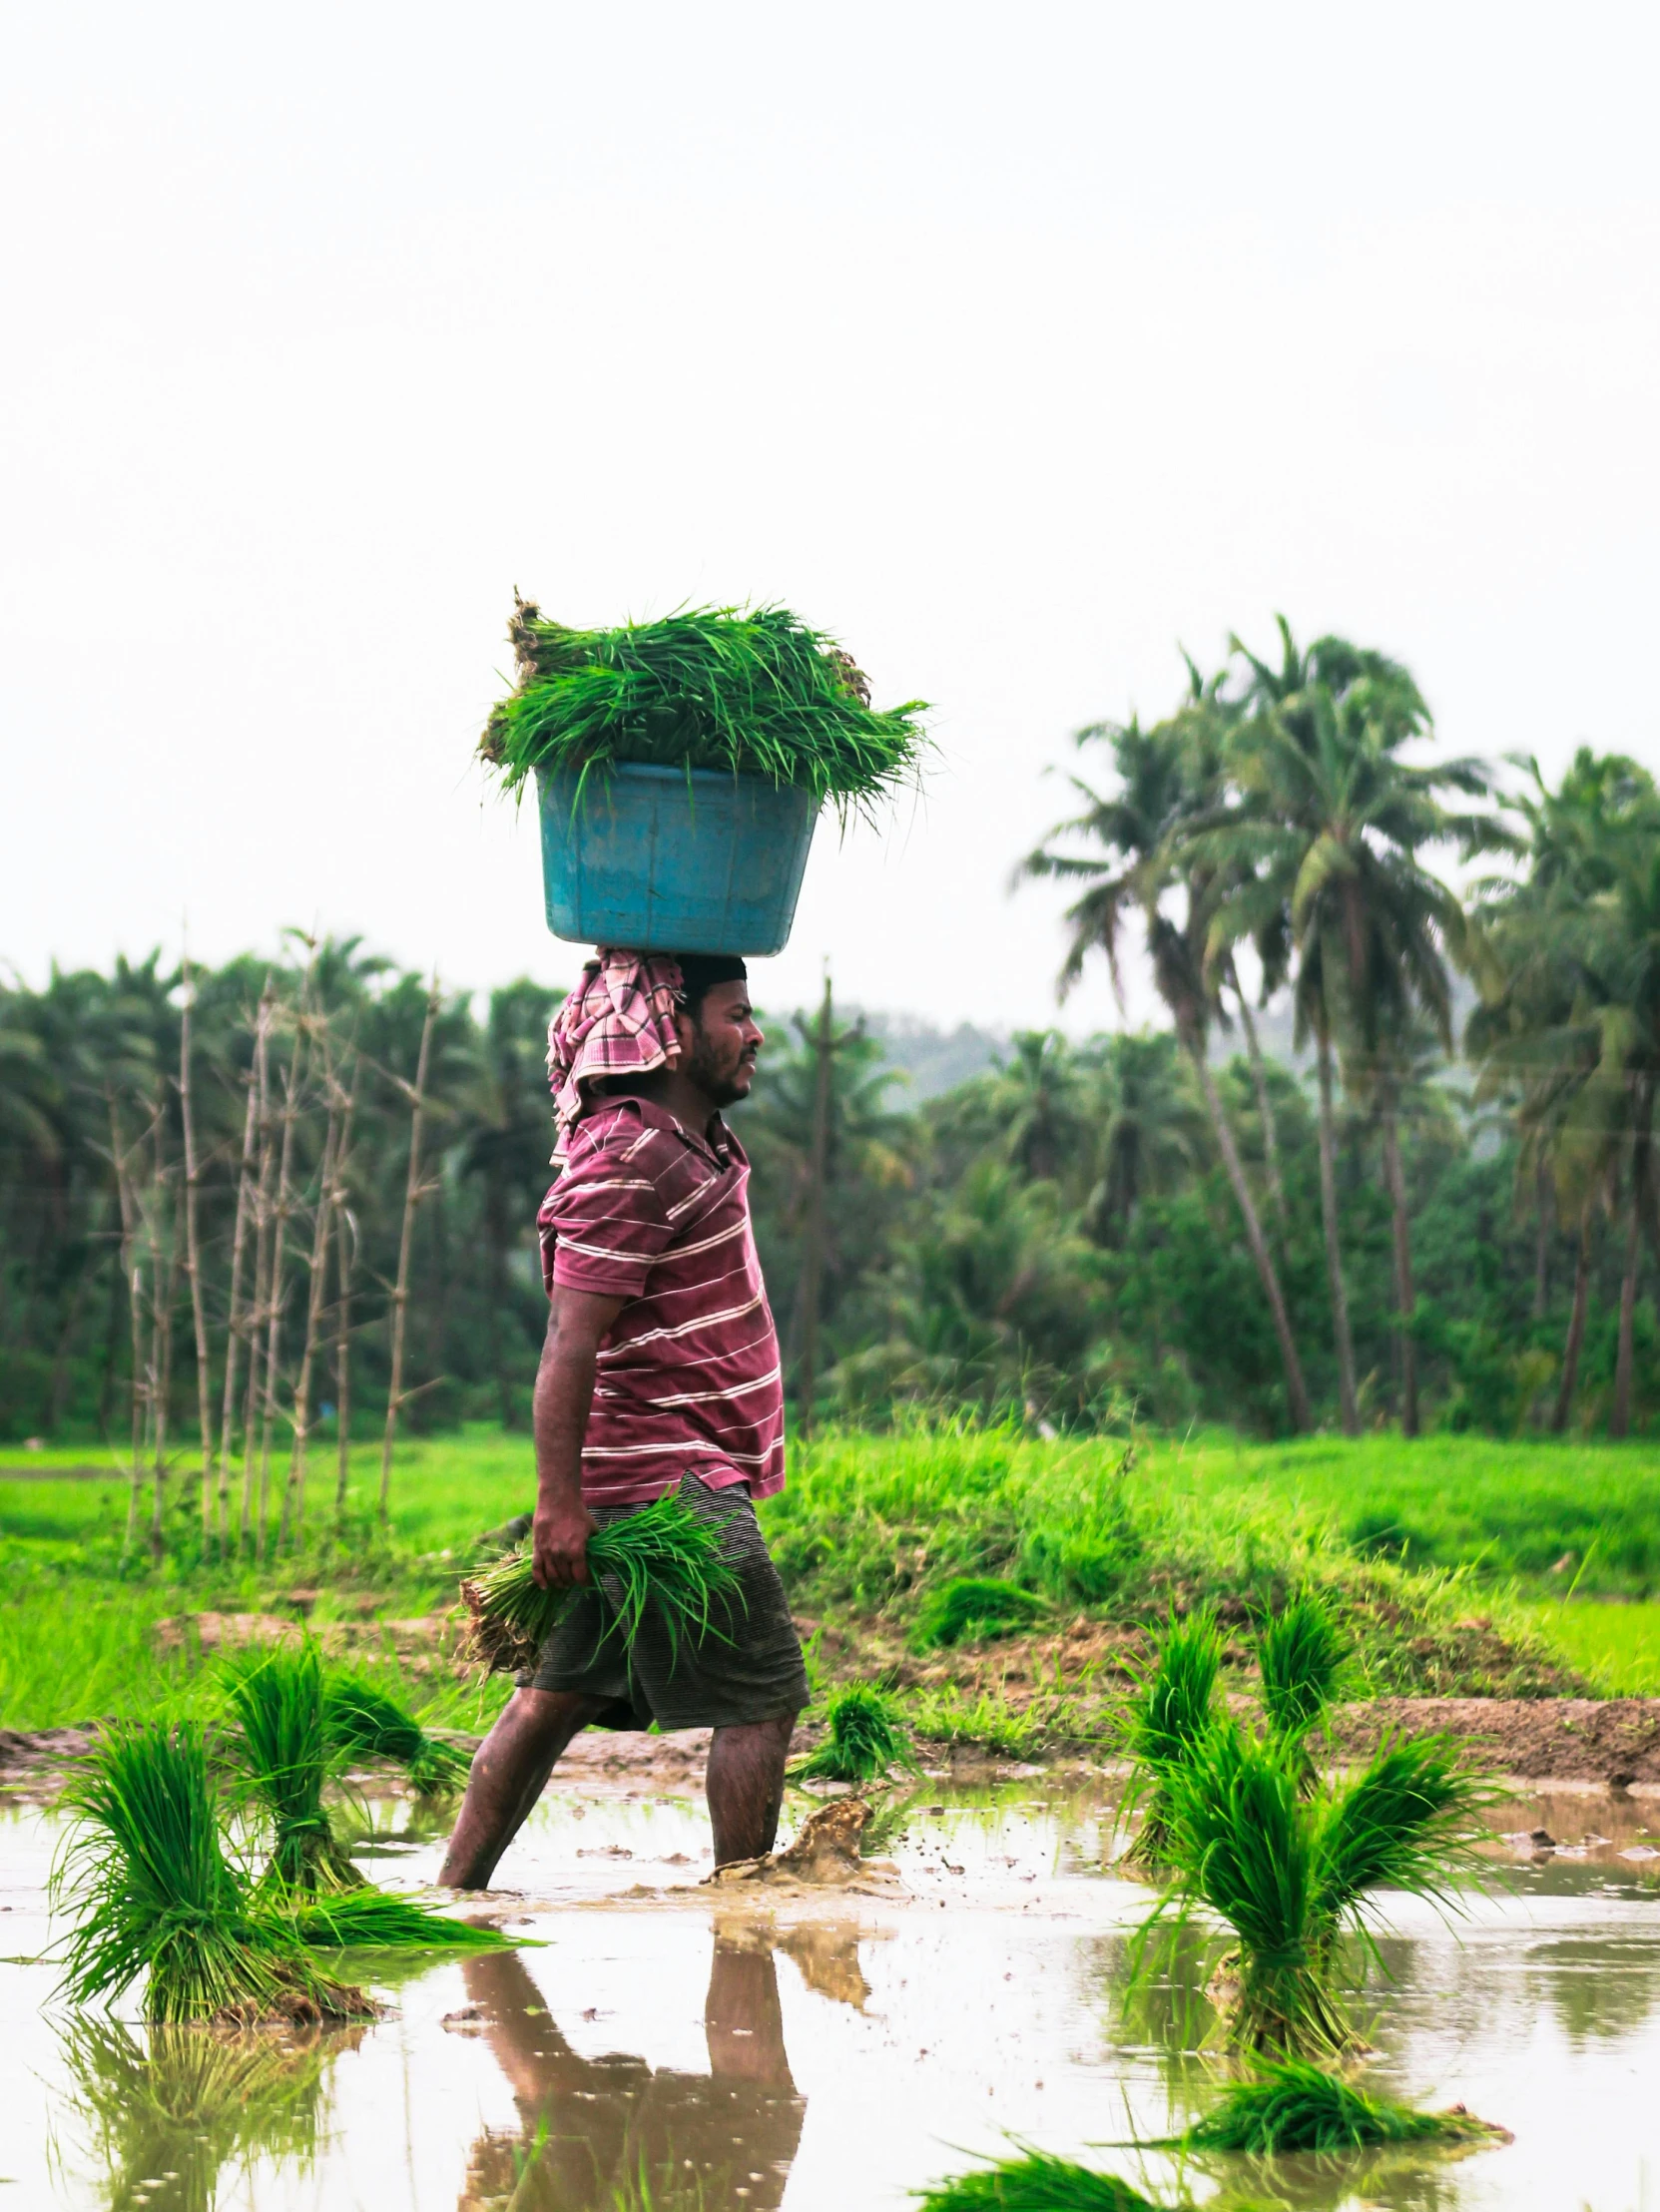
{"points": [[620, 1020]]}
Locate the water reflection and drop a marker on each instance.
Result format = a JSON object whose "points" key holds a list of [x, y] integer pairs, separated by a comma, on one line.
{"points": [[167, 2120], [610, 2134], [1600, 1987]]}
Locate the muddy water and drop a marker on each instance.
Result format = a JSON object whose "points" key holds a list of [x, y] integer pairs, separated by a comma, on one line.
{"points": [[673, 2050]]}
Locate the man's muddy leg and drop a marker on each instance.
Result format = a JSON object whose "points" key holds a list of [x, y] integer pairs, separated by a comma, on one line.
{"points": [[510, 1773], [745, 1785]]}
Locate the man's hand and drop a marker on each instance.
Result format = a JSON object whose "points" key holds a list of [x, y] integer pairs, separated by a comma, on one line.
{"points": [[559, 1543]]}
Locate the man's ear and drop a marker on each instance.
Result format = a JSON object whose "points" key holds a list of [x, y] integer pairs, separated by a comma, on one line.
{"points": [[686, 1034]]}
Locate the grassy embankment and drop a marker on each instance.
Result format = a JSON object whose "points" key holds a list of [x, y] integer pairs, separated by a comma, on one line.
{"points": [[1440, 1554]]}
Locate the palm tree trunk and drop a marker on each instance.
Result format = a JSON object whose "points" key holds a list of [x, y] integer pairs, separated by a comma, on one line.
{"points": [[1264, 1111], [1619, 1421], [1295, 1390], [1544, 1217], [1576, 1329], [1404, 1294], [1347, 1403]]}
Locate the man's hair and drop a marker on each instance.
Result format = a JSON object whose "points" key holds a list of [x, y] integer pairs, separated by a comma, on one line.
{"points": [[699, 975]]}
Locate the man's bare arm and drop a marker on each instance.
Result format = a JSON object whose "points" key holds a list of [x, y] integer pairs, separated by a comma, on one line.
{"points": [[578, 1322]]}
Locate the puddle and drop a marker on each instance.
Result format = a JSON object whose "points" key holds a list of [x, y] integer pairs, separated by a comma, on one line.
{"points": [[675, 2051]]}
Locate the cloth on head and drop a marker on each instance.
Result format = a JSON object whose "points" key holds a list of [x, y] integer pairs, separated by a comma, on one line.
{"points": [[620, 1020]]}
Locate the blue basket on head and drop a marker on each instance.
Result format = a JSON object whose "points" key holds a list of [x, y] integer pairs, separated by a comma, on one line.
{"points": [[666, 860]]}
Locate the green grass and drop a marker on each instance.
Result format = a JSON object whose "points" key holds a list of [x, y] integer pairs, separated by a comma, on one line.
{"points": [[871, 1526], [1617, 1647]]}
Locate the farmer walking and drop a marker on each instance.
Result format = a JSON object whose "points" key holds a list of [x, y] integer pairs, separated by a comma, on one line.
{"points": [[660, 1372]]}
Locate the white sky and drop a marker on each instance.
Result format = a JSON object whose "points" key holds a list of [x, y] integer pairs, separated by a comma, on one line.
{"points": [[1012, 344]]}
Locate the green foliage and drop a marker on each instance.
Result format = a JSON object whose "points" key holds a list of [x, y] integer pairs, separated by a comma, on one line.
{"points": [[973, 1605], [286, 1758], [1302, 1658], [145, 1875], [365, 1721], [866, 1738], [1291, 1873], [1295, 2105], [1034, 2181], [665, 1554], [753, 692]]}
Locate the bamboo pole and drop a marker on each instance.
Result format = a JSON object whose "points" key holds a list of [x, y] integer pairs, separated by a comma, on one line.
{"points": [[294, 1494], [263, 1205], [193, 1257], [235, 1327], [164, 1236], [412, 1195], [345, 1254], [131, 1272], [277, 1286]]}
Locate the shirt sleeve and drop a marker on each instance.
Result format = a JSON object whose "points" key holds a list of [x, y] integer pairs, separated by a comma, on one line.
{"points": [[605, 1221]]}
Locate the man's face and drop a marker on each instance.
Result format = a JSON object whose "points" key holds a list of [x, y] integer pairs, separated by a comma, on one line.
{"points": [[717, 1050]]}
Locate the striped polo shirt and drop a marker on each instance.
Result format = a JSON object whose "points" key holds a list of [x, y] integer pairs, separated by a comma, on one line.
{"points": [[688, 1378]]}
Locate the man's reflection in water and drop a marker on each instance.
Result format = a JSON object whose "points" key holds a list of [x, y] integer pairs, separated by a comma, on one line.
{"points": [[617, 2138]]}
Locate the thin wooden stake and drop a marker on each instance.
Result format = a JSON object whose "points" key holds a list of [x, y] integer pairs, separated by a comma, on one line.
{"points": [[236, 1323], [276, 1291], [192, 1259], [412, 1195]]}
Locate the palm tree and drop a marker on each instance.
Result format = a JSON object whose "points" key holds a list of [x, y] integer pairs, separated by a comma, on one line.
{"points": [[1167, 777], [1573, 1018], [1038, 1100], [1153, 1127], [1317, 848]]}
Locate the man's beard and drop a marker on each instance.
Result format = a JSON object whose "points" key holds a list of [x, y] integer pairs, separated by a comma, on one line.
{"points": [[718, 1083]]}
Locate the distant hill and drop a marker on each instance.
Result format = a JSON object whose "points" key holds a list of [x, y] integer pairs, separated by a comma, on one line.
{"points": [[932, 1059]]}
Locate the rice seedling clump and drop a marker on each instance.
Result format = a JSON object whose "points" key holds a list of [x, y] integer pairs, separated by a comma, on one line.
{"points": [[377, 1920], [973, 1605], [277, 1699], [665, 1555], [1302, 1658], [752, 692], [1033, 2182], [146, 1872], [1171, 1711], [362, 1721], [1295, 2105], [867, 1737], [1291, 1873]]}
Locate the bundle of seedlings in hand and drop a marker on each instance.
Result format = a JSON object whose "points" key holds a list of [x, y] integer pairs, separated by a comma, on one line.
{"points": [[1291, 1873], [752, 692], [1170, 1713], [280, 1699], [1302, 1659], [665, 1555], [362, 1721], [1033, 2182], [1294, 2105], [147, 1872], [865, 1738]]}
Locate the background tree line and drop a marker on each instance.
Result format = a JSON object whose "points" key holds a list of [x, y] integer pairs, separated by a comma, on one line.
{"points": [[235, 1201]]}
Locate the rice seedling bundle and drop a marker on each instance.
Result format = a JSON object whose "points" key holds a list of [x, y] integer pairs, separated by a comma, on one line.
{"points": [[752, 692], [1170, 1713], [365, 1721], [867, 1737], [146, 1872], [665, 1555], [277, 1698], [973, 1604], [375, 1919], [1295, 2105], [1302, 1658], [1033, 2182], [1291, 1873]]}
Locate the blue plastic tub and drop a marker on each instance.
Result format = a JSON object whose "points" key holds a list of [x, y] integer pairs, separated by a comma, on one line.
{"points": [[669, 862]]}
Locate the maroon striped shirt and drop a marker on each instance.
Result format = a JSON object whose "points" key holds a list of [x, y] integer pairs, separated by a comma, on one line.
{"points": [[689, 1378]]}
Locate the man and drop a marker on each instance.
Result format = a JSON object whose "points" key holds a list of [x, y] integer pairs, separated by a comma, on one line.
{"points": [[660, 1372]]}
